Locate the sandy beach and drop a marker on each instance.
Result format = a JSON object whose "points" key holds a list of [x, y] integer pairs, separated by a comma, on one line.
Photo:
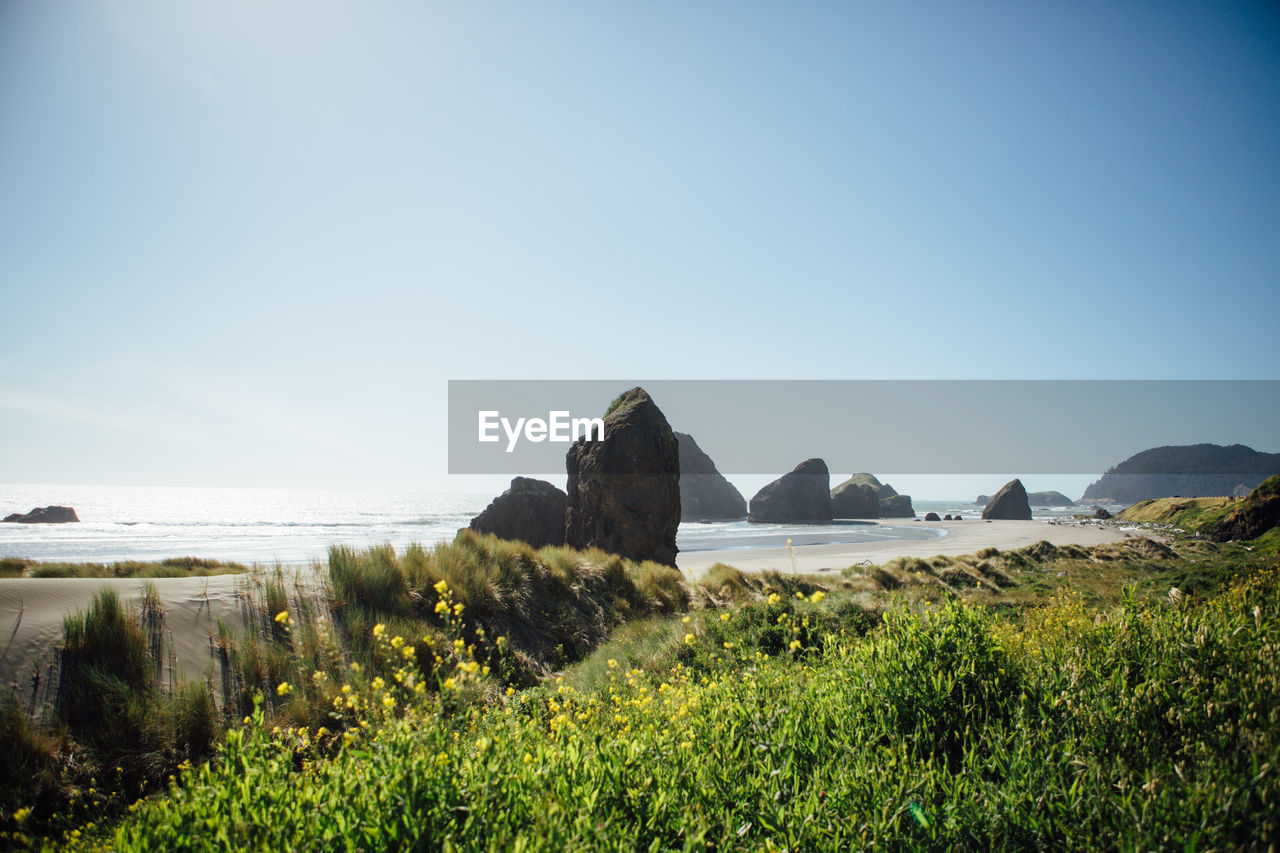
{"points": [[32, 611], [962, 537]]}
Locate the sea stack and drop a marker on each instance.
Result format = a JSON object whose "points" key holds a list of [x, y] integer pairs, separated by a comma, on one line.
{"points": [[704, 492], [802, 495], [853, 499], [531, 511], [624, 490], [897, 506], [1010, 503]]}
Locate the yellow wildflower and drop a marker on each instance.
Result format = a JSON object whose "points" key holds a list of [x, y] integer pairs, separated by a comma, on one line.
{"points": [[284, 689]]}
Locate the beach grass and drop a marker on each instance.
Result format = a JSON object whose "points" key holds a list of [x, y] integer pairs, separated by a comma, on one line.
{"points": [[1147, 724], [1187, 513], [172, 567], [487, 692]]}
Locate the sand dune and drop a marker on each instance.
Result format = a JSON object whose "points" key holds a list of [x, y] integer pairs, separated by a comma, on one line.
{"points": [[32, 611]]}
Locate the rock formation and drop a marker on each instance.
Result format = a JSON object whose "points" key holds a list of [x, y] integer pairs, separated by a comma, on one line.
{"points": [[883, 490], [45, 515], [854, 500], [1100, 513], [704, 492], [624, 490], [531, 511], [802, 495], [933, 516], [897, 506], [1009, 503], [982, 500]]}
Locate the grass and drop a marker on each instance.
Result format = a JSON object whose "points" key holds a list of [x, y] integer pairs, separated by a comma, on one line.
{"points": [[1186, 513], [482, 694], [1151, 724], [173, 567], [554, 605]]}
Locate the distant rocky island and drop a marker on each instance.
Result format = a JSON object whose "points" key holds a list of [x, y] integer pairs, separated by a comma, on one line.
{"points": [[43, 515], [1194, 470]]}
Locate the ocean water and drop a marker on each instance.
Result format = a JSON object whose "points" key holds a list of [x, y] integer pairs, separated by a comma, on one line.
{"points": [[298, 526]]}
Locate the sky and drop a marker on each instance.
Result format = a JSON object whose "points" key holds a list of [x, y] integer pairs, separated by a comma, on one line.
{"points": [[249, 244]]}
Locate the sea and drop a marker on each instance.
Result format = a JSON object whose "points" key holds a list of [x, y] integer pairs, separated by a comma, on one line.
{"points": [[297, 527]]}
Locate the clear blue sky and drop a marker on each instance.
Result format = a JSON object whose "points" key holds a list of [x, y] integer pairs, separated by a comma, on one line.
{"points": [[247, 243]]}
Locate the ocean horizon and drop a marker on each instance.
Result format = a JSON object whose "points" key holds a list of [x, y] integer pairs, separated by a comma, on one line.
{"points": [[298, 526]]}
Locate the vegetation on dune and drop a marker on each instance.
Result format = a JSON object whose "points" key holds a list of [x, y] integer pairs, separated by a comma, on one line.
{"points": [[1186, 513], [483, 695], [172, 567], [1255, 516], [1154, 724]]}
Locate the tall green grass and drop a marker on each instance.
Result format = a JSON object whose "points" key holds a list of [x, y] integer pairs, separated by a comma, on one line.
{"points": [[622, 706], [553, 605], [1151, 725]]}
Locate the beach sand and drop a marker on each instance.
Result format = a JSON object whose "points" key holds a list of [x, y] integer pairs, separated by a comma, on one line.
{"points": [[32, 609], [963, 537]]}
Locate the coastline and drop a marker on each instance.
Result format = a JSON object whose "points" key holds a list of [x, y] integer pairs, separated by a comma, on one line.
{"points": [[32, 609], [962, 537]]}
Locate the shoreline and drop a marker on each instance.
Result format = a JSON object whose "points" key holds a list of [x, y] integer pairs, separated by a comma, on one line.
{"points": [[32, 609], [962, 537]]}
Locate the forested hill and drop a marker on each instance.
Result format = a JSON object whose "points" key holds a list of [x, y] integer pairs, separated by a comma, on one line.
{"points": [[1192, 470]]}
